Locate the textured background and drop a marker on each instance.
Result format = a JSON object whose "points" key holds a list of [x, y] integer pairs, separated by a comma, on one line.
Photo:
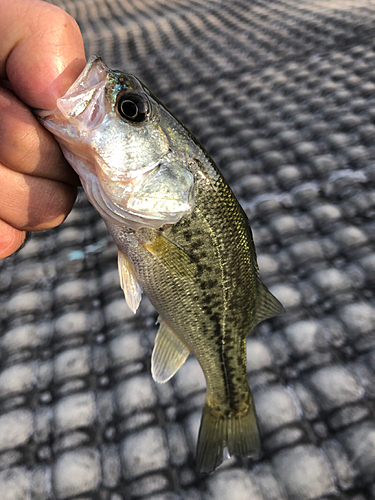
{"points": [[282, 94]]}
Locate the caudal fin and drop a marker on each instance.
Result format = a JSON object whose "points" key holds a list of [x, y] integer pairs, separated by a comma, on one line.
{"points": [[238, 433]]}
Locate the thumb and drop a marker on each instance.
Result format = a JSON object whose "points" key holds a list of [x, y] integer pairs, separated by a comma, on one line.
{"points": [[41, 52]]}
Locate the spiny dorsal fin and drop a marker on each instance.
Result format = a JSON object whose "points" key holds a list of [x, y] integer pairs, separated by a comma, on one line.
{"points": [[267, 304], [168, 356], [129, 283], [172, 256]]}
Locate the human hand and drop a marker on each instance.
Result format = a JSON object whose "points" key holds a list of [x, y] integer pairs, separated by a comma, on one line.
{"points": [[41, 54]]}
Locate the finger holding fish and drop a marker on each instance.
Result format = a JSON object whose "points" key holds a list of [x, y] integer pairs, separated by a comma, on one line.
{"points": [[37, 188], [41, 54]]}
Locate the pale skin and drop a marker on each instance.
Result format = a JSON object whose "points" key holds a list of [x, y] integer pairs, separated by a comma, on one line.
{"points": [[41, 54]]}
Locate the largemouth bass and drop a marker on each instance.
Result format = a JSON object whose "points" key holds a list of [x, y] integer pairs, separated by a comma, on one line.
{"points": [[182, 238]]}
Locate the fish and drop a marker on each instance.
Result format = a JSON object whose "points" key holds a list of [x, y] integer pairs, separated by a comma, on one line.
{"points": [[182, 238]]}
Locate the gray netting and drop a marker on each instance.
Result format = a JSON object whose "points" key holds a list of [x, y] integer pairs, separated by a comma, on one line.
{"points": [[282, 95]]}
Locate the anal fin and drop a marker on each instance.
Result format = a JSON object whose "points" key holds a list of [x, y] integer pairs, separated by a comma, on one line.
{"points": [[168, 356], [129, 283], [267, 305]]}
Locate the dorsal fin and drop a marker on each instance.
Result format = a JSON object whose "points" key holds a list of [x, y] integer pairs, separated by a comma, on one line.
{"points": [[129, 283], [172, 256], [168, 356], [267, 305]]}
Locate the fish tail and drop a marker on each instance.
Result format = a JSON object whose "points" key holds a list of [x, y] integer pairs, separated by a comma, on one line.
{"points": [[238, 432]]}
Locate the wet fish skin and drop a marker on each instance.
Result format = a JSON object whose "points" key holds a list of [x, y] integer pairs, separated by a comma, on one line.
{"points": [[199, 271]]}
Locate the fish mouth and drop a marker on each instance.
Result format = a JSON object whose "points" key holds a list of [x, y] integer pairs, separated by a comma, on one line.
{"points": [[83, 106], [93, 73]]}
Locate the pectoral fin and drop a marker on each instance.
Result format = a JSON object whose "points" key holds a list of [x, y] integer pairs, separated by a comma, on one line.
{"points": [[267, 305], [168, 356], [129, 283], [172, 256]]}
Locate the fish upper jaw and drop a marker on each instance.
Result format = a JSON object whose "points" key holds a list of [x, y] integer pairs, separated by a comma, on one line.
{"points": [[83, 107]]}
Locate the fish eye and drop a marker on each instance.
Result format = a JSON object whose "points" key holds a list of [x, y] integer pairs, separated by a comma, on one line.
{"points": [[133, 107]]}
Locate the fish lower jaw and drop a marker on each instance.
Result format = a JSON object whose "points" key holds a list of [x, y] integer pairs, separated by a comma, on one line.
{"points": [[112, 207], [96, 195]]}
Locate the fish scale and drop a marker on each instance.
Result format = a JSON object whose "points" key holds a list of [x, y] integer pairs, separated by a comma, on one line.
{"points": [[182, 237]]}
